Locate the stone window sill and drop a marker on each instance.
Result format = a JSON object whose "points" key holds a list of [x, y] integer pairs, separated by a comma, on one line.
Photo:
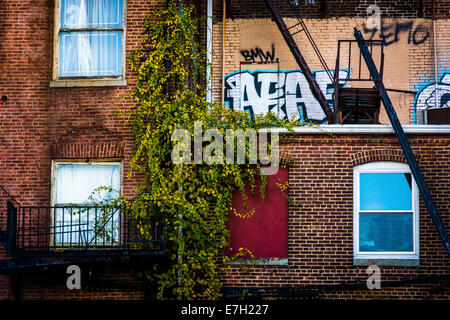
{"points": [[260, 261], [408, 262], [88, 83]]}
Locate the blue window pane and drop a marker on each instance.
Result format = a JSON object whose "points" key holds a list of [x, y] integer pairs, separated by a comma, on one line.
{"points": [[97, 53], [385, 191], [91, 13], [385, 232]]}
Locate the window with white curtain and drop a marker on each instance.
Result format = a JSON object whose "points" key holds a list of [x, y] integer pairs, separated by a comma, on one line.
{"points": [[78, 189], [90, 38], [385, 212]]}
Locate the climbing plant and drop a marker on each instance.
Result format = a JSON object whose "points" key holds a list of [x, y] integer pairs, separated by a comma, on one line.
{"points": [[194, 199]]}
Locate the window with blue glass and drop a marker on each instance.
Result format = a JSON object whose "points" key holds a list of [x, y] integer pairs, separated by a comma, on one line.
{"points": [[385, 215], [90, 38]]}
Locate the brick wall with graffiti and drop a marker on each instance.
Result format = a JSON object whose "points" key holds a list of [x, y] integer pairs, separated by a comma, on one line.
{"points": [[286, 93], [261, 75], [431, 96]]}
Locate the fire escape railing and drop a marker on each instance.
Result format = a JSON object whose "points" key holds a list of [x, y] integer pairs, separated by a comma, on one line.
{"points": [[357, 102], [41, 230]]}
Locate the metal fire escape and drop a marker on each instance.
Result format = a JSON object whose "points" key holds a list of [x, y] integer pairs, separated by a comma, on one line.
{"points": [[288, 37], [34, 237], [331, 114], [403, 140]]}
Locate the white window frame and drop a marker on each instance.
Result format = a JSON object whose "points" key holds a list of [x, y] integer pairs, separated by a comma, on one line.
{"points": [[384, 167], [54, 174], [79, 81]]}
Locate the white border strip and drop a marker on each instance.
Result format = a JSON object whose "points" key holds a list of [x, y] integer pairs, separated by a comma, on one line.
{"points": [[364, 129], [209, 47]]}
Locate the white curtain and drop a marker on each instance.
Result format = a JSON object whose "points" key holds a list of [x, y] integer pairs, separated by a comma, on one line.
{"points": [[90, 53], [75, 185], [76, 182]]}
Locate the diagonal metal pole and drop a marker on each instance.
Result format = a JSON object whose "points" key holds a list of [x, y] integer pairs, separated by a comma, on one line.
{"points": [[403, 140]]}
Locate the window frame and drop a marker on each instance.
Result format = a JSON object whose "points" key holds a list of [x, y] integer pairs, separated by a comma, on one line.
{"points": [[86, 81], [384, 167], [56, 162], [54, 174]]}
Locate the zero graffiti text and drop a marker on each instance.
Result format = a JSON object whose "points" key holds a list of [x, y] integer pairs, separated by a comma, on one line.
{"points": [[390, 33]]}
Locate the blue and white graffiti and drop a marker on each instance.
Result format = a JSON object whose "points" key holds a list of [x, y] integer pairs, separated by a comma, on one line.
{"points": [[286, 93], [426, 98]]}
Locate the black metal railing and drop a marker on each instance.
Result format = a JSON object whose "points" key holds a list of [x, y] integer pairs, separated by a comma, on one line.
{"points": [[360, 102], [80, 227]]}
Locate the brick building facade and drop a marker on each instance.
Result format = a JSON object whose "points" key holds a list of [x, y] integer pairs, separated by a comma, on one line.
{"points": [[41, 122], [45, 119], [405, 26], [320, 233]]}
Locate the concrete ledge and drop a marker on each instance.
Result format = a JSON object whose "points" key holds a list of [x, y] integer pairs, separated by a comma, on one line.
{"points": [[88, 83], [364, 129], [260, 261], [387, 262]]}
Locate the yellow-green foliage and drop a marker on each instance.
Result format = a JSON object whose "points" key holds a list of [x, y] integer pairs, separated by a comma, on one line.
{"points": [[194, 199]]}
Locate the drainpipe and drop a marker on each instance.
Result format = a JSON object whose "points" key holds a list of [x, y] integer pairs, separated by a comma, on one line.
{"points": [[436, 102], [180, 231], [224, 19], [209, 26]]}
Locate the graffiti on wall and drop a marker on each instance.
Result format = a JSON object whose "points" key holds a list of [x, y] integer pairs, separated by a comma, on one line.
{"points": [[286, 93], [391, 33], [306, 2], [426, 97], [258, 53]]}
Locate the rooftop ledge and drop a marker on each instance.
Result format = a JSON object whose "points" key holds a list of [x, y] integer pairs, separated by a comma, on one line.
{"points": [[366, 129]]}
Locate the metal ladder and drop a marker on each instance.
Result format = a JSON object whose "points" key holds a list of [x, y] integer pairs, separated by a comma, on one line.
{"points": [[401, 136], [288, 37]]}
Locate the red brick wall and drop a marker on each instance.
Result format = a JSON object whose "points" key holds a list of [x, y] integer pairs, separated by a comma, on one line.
{"points": [[39, 123], [341, 8], [320, 233], [97, 283], [442, 8]]}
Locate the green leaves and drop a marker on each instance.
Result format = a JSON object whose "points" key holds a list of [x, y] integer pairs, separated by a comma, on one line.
{"points": [[194, 199]]}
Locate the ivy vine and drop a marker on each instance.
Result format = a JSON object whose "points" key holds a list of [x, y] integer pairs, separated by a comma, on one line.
{"points": [[194, 199]]}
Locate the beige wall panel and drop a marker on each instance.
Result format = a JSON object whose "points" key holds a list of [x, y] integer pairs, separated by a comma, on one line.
{"points": [[408, 63]]}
